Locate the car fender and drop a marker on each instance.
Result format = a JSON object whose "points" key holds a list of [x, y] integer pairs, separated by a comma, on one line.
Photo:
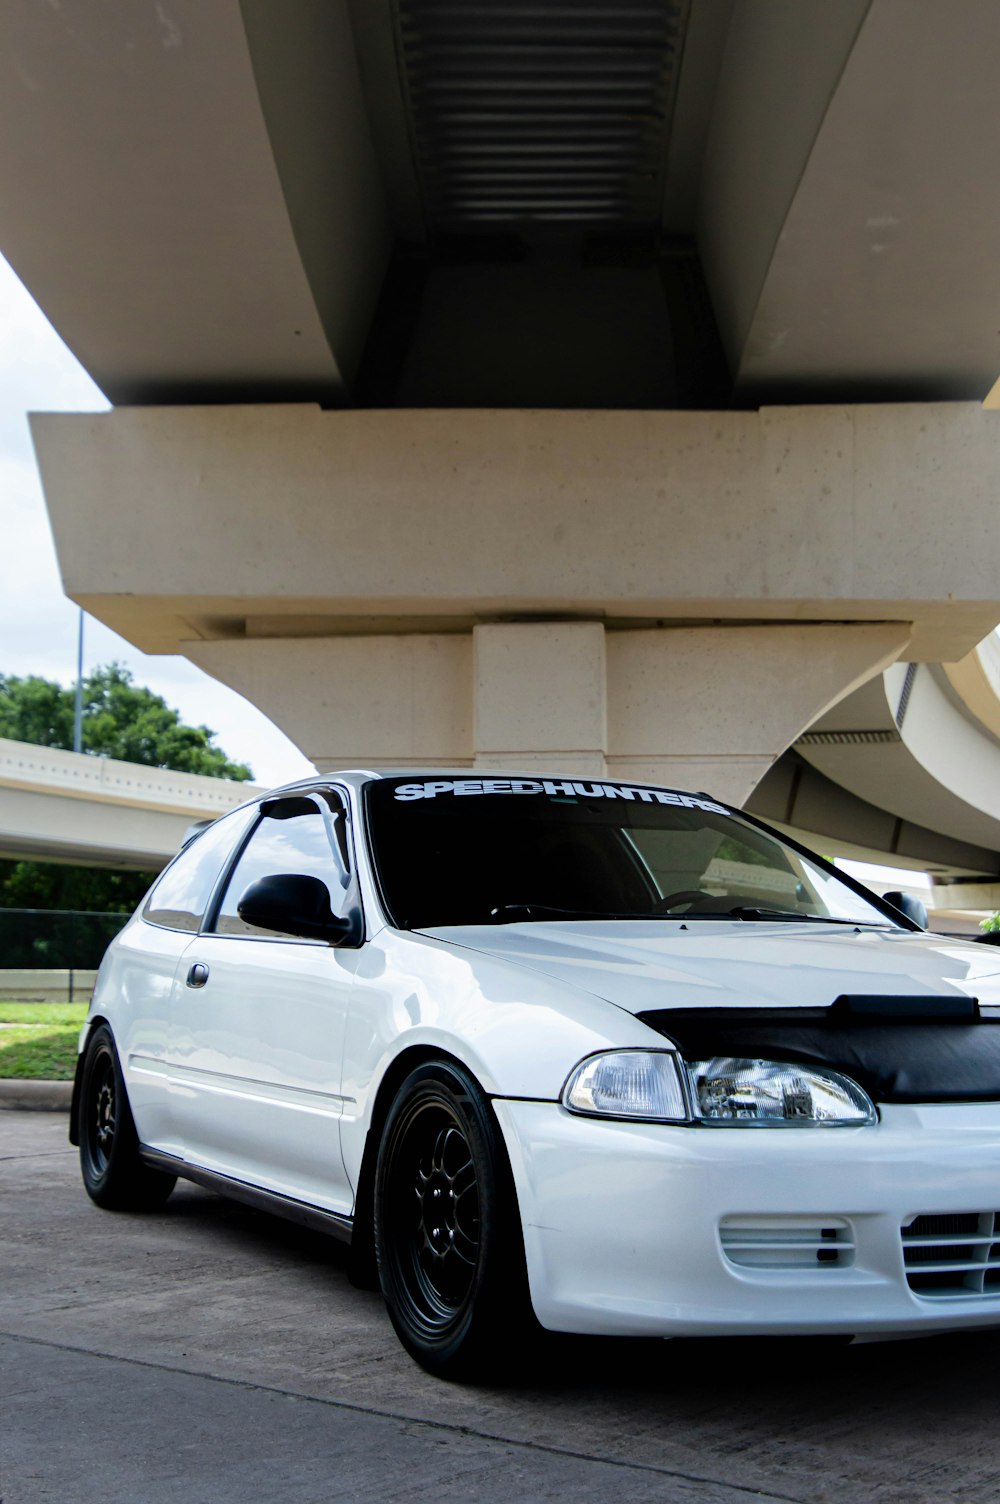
{"points": [[416, 996]]}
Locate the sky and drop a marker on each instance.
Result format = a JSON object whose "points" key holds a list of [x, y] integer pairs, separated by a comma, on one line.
{"points": [[38, 625]]}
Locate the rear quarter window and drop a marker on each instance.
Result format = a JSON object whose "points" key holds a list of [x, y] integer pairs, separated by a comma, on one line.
{"points": [[180, 896]]}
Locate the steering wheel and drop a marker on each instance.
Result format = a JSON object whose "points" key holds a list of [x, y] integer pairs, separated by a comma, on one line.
{"points": [[683, 895]]}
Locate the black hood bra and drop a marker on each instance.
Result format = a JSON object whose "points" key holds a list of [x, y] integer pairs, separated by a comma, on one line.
{"points": [[899, 1049]]}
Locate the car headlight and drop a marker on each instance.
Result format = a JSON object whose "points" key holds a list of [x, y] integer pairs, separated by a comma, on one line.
{"points": [[657, 1086], [643, 1084], [767, 1093]]}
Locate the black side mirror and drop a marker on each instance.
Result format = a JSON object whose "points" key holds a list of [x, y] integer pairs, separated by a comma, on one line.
{"points": [[293, 904], [908, 906]]}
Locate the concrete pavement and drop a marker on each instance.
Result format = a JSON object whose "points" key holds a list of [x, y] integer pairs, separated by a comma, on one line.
{"points": [[211, 1353]]}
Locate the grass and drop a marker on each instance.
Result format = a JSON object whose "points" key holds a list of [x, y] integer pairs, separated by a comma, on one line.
{"points": [[42, 1013], [41, 1042]]}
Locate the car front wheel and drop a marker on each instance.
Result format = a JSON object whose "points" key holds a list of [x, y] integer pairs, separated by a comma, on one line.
{"points": [[114, 1175], [447, 1230]]}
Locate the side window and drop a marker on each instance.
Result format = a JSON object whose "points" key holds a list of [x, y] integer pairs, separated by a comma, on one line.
{"points": [[178, 900], [297, 834]]}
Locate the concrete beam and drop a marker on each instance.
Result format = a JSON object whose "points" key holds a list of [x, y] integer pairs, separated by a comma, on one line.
{"points": [[206, 212], [780, 69], [211, 523], [852, 247]]}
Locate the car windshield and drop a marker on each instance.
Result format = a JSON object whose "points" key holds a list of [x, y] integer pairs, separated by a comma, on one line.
{"points": [[453, 850]]}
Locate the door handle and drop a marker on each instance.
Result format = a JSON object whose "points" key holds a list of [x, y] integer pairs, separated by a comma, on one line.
{"points": [[198, 975]]}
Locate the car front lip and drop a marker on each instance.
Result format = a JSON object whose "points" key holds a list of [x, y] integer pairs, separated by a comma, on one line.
{"points": [[624, 1222]]}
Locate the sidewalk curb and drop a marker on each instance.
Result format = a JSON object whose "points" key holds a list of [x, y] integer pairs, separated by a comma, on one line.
{"points": [[36, 1096]]}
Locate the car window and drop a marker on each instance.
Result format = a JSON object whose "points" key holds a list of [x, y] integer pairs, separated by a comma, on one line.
{"points": [[508, 850], [179, 899], [294, 835]]}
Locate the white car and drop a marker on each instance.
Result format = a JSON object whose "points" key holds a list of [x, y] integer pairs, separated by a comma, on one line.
{"points": [[552, 1053]]}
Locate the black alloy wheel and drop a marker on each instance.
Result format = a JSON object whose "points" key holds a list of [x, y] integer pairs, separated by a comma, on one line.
{"points": [[447, 1230], [114, 1174], [104, 1100]]}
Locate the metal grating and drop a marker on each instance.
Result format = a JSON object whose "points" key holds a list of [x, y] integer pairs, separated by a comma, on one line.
{"points": [[784, 1243], [954, 1256], [905, 693], [540, 112], [847, 738]]}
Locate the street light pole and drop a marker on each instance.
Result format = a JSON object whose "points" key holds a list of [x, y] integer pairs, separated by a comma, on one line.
{"points": [[78, 711]]}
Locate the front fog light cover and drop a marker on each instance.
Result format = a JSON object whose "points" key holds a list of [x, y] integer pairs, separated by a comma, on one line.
{"points": [[768, 1093], [643, 1084]]}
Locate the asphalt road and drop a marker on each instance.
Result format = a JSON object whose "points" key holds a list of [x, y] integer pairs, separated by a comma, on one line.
{"points": [[210, 1353]]}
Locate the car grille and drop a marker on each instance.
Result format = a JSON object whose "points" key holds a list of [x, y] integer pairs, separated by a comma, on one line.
{"points": [[787, 1242], [953, 1257]]}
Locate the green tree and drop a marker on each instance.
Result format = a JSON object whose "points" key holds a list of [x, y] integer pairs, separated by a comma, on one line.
{"points": [[120, 719], [55, 885]]}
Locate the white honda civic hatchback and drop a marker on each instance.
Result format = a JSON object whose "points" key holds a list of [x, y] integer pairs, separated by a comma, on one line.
{"points": [[558, 1054]]}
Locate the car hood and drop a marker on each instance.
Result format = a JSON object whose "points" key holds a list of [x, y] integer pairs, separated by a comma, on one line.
{"points": [[654, 964]]}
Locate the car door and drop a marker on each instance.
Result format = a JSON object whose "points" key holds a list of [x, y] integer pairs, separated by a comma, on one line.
{"points": [[257, 1029], [136, 984]]}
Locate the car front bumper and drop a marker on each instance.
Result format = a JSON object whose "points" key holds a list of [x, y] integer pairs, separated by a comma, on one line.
{"points": [[649, 1229]]}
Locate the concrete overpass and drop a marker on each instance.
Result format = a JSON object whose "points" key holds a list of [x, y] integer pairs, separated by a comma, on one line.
{"points": [[916, 746], [58, 806], [539, 382]]}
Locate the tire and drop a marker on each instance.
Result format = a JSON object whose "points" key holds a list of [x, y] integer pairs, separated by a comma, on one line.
{"points": [[447, 1230], [113, 1173]]}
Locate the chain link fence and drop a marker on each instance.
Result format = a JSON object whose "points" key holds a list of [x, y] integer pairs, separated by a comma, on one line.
{"points": [[50, 939]]}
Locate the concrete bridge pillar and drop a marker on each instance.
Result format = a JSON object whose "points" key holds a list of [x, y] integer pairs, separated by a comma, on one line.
{"points": [[714, 707], [541, 696], [704, 707]]}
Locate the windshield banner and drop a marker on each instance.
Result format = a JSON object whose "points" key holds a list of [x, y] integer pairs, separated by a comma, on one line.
{"points": [[558, 788]]}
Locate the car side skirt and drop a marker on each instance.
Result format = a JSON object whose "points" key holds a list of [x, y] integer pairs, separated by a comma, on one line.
{"points": [[315, 1217]]}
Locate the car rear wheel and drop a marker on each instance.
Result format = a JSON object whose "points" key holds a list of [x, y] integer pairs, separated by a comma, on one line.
{"points": [[114, 1175], [447, 1230]]}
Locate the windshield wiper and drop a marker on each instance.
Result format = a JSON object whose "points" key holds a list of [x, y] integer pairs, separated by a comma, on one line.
{"points": [[751, 911], [511, 913], [515, 913]]}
